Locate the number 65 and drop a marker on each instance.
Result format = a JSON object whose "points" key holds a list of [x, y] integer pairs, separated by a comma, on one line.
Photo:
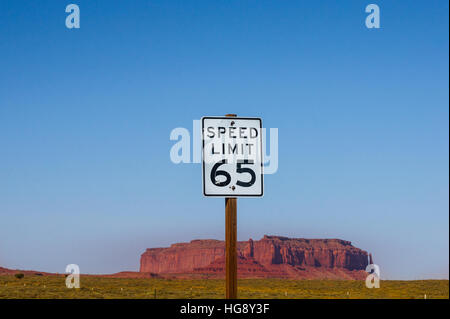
{"points": [[239, 169]]}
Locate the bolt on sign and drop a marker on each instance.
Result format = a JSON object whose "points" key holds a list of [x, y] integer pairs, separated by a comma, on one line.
{"points": [[232, 156]]}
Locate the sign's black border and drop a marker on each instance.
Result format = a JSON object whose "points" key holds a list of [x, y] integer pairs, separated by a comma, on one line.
{"points": [[203, 155]]}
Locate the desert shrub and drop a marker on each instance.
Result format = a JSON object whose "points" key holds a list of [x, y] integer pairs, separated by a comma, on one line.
{"points": [[19, 276]]}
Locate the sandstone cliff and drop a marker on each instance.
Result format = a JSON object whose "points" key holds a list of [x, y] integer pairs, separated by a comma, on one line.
{"points": [[272, 256]]}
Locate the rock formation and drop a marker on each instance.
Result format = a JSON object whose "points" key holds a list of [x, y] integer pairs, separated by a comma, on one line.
{"points": [[272, 256]]}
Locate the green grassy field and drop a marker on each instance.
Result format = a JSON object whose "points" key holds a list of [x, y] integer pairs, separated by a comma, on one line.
{"points": [[100, 287]]}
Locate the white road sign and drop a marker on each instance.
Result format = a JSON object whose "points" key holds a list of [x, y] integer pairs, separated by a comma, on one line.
{"points": [[232, 156]]}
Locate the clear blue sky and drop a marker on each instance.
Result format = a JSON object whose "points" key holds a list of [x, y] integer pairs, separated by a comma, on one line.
{"points": [[85, 118]]}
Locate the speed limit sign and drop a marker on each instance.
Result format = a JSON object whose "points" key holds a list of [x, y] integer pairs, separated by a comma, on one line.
{"points": [[232, 156]]}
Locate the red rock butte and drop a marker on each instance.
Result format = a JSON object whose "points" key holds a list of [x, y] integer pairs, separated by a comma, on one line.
{"points": [[270, 257]]}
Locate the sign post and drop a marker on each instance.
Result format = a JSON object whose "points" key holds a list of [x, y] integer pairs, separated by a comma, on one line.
{"points": [[231, 244], [231, 247], [232, 167]]}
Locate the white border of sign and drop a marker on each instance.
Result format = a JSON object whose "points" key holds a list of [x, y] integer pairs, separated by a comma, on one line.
{"points": [[203, 156]]}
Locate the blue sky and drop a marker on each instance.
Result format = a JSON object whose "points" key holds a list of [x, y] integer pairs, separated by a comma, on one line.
{"points": [[85, 119]]}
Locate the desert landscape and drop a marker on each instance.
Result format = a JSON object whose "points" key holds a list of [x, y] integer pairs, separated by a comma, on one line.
{"points": [[270, 268], [34, 286]]}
